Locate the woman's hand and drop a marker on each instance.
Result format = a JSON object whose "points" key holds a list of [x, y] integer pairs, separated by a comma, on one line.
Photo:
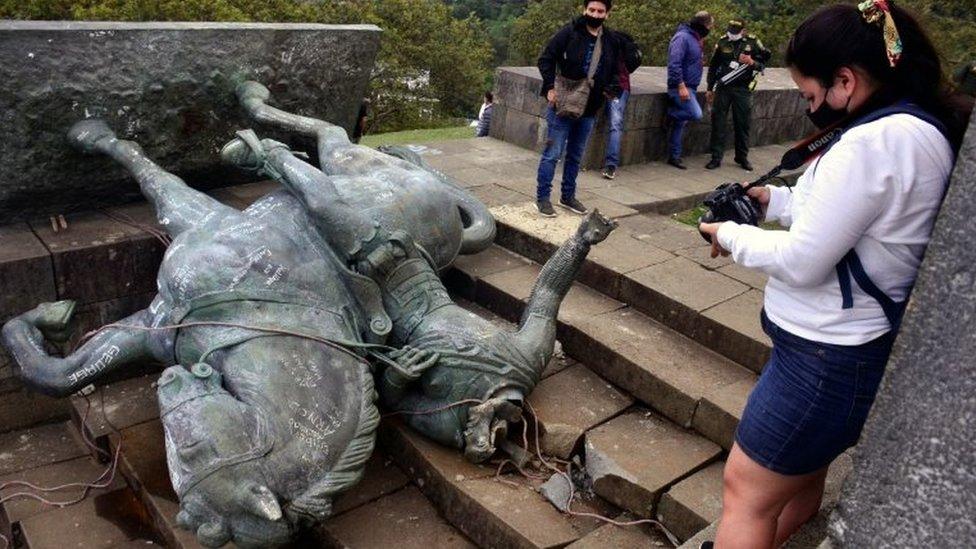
{"points": [[760, 195], [711, 229]]}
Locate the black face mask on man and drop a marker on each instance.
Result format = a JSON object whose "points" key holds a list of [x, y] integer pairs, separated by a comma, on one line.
{"points": [[825, 115], [594, 22]]}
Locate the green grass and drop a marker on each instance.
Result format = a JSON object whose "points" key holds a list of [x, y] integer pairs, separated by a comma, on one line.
{"points": [[690, 217], [417, 136]]}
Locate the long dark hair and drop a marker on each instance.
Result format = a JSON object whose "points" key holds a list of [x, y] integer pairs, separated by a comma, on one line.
{"points": [[838, 36]]}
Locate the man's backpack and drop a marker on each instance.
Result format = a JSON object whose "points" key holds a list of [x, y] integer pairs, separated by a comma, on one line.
{"points": [[628, 50]]}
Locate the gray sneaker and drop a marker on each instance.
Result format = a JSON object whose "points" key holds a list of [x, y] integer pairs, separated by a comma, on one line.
{"points": [[573, 205], [545, 208]]}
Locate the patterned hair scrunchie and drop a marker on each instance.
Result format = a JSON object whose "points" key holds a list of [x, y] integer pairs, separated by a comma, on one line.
{"points": [[878, 11]]}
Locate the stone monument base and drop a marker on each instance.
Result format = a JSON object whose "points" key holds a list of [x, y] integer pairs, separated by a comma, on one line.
{"points": [[778, 115]]}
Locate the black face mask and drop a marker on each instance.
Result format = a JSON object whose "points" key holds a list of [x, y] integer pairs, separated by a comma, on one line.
{"points": [[594, 22], [825, 115], [702, 30]]}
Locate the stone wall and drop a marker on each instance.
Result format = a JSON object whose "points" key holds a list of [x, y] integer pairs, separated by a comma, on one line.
{"points": [[169, 86], [914, 478], [778, 115]]}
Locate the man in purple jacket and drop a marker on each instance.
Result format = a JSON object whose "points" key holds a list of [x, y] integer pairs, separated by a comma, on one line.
{"points": [[685, 69]]}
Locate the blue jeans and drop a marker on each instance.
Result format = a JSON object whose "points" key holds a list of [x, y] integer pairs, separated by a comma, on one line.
{"points": [[811, 401], [567, 135], [615, 122], [681, 112]]}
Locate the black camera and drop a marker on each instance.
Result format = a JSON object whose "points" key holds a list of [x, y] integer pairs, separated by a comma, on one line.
{"points": [[729, 202]]}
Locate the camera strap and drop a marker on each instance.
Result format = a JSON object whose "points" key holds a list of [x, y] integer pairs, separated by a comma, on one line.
{"points": [[819, 143]]}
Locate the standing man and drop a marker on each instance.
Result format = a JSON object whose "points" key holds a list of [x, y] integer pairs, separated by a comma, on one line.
{"points": [[571, 51], [685, 68], [738, 60], [628, 59]]}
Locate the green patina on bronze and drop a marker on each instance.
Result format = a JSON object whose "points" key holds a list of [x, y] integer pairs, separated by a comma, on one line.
{"points": [[276, 320]]}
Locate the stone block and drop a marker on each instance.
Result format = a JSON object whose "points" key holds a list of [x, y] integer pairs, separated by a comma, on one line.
{"points": [[511, 513], [745, 275], [708, 534], [661, 368], [676, 291], [702, 255], [403, 519], [175, 96], [467, 270], [26, 275], [634, 458], [672, 237], [694, 503], [103, 521], [732, 328], [37, 447], [21, 408], [610, 535], [628, 195], [496, 195], [380, 478], [505, 292], [78, 470], [571, 402], [98, 258], [507, 513], [143, 463], [524, 130], [720, 410], [117, 406], [609, 208]]}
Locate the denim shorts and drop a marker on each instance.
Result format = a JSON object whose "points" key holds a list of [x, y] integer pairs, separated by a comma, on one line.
{"points": [[811, 401]]}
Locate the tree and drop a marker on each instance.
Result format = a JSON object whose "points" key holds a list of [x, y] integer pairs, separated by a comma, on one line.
{"points": [[431, 66], [650, 22]]}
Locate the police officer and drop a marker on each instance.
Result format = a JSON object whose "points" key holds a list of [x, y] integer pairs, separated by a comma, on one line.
{"points": [[733, 72]]}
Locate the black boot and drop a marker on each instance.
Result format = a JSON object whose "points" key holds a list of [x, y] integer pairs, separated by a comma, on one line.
{"points": [[744, 162], [713, 164], [677, 163]]}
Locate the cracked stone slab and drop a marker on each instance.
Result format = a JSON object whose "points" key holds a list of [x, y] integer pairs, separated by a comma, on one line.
{"points": [[634, 458], [694, 503], [404, 519], [571, 402]]}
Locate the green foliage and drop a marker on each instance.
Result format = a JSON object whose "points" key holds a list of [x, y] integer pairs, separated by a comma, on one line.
{"points": [[650, 22], [951, 24], [431, 68]]}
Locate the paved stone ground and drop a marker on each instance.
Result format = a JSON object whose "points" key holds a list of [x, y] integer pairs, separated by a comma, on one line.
{"points": [[652, 262]]}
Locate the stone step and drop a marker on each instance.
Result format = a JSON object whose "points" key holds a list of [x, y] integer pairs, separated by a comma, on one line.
{"points": [[660, 267], [610, 535], [678, 377], [102, 521], [492, 509], [635, 458], [694, 503], [22, 503]]}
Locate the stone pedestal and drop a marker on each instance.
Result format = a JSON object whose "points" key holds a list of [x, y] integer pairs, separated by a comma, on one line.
{"points": [[913, 483], [169, 86], [778, 115]]}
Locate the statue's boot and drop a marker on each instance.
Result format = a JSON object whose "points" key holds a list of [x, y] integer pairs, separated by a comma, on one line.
{"points": [[178, 206]]}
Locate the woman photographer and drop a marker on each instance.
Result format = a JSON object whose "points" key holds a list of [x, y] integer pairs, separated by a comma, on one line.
{"points": [[830, 313]]}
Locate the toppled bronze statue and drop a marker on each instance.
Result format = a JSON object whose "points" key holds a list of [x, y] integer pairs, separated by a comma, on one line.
{"points": [[267, 317], [446, 354]]}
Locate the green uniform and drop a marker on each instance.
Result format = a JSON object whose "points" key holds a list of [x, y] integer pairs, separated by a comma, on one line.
{"points": [[736, 94]]}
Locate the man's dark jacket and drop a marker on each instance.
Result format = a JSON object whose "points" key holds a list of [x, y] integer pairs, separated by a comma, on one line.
{"points": [[566, 51]]}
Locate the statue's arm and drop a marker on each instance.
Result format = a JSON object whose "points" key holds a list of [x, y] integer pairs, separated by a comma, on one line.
{"points": [[106, 352]]}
